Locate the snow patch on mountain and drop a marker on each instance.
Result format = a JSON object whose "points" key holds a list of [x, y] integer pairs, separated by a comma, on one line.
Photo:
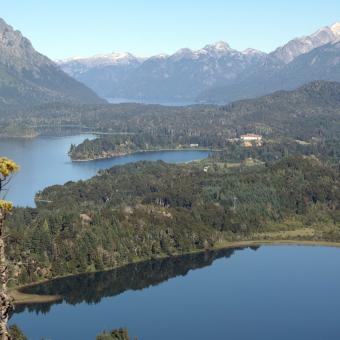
{"points": [[302, 45], [103, 59], [335, 28]]}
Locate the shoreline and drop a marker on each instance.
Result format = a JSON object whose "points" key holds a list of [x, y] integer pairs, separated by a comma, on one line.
{"points": [[24, 298], [123, 154], [19, 136], [20, 298]]}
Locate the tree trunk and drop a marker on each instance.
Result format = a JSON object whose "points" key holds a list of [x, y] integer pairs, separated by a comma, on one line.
{"points": [[5, 300]]}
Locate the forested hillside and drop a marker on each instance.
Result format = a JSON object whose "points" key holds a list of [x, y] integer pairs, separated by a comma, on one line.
{"points": [[310, 111], [149, 210], [310, 114]]}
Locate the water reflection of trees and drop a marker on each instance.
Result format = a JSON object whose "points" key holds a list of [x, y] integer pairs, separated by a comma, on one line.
{"points": [[91, 288]]}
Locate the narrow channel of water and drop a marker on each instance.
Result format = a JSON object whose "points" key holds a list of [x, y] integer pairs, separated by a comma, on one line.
{"points": [[44, 162]]}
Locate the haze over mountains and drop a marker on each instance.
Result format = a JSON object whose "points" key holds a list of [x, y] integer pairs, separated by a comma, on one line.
{"points": [[214, 74], [28, 78]]}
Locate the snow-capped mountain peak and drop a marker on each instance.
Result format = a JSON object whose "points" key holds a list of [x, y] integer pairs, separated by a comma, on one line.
{"points": [[103, 59], [80, 65], [213, 50], [189, 72], [302, 45], [219, 47], [160, 56], [335, 28], [252, 51], [115, 56]]}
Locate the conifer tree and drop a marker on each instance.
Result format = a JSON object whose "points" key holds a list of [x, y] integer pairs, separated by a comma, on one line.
{"points": [[7, 168]]}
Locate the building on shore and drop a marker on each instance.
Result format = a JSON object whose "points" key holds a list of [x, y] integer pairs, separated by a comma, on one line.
{"points": [[250, 139]]}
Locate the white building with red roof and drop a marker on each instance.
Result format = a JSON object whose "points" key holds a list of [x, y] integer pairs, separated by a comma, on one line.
{"points": [[251, 137]]}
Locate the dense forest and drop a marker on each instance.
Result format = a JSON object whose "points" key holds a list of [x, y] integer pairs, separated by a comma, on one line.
{"points": [[116, 334], [273, 150], [152, 209], [122, 144], [310, 115], [225, 150]]}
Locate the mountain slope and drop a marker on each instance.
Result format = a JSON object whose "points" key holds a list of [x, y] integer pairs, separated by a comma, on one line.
{"points": [[298, 46], [102, 73], [322, 63], [311, 113], [28, 78]]}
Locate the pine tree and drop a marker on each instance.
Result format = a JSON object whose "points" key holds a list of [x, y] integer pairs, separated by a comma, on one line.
{"points": [[7, 168]]}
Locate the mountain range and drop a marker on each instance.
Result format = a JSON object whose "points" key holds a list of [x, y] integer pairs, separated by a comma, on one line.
{"points": [[214, 74], [29, 78]]}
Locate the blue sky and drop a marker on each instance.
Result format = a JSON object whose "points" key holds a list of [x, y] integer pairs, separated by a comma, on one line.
{"points": [[64, 28]]}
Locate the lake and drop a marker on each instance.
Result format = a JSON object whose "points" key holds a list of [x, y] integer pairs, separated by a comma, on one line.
{"points": [[271, 292], [44, 161], [266, 293], [150, 102]]}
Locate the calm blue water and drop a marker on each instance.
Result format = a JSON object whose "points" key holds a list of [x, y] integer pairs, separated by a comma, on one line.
{"points": [[280, 293], [275, 292], [44, 161]]}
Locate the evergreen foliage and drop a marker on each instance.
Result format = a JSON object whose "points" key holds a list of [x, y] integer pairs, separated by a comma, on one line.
{"points": [[152, 209], [116, 334]]}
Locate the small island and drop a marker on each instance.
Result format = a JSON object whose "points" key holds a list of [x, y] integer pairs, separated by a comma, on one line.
{"points": [[109, 146]]}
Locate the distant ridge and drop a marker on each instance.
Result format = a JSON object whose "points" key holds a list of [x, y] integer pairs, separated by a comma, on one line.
{"points": [[322, 63], [302, 45], [215, 73], [162, 78]]}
